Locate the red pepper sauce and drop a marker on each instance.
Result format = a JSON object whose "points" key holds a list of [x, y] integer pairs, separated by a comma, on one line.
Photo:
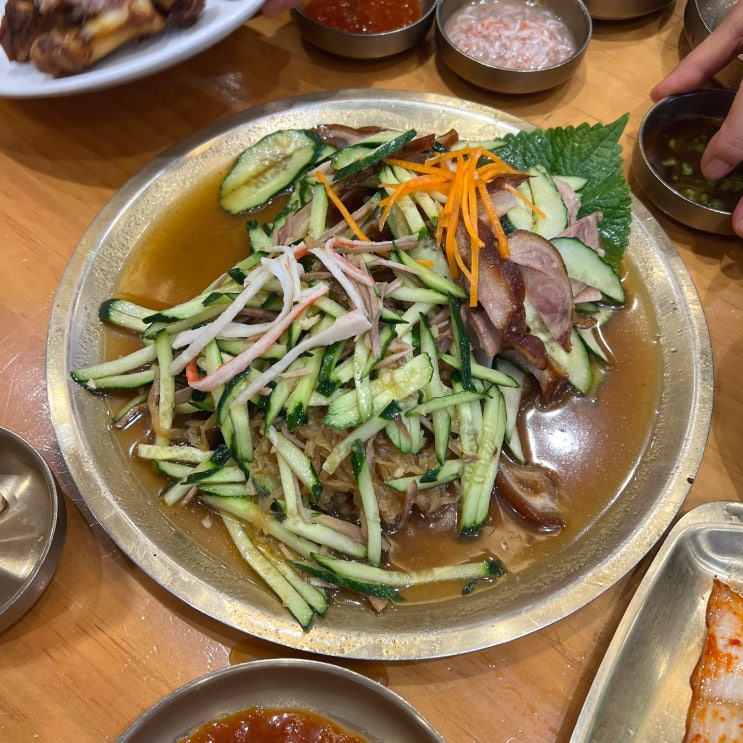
{"points": [[364, 16], [265, 725]]}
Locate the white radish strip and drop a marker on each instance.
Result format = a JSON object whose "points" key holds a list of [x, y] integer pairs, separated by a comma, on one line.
{"points": [[348, 267], [333, 265], [347, 326], [242, 361], [207, 333]]}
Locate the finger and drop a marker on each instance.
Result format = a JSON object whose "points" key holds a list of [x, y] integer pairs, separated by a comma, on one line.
{"points": [[707, 59], [738, 219], [273, 8], [725, 150]]}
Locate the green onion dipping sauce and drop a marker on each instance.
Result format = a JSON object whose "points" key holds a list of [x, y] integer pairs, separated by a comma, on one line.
{"points": [[675, 151]]}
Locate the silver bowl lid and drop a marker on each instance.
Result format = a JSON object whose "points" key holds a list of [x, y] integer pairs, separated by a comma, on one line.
{"points": [[33, 525]]}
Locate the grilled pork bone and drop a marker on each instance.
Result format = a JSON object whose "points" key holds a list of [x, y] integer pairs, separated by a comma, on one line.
{"points": [[63, 37]]}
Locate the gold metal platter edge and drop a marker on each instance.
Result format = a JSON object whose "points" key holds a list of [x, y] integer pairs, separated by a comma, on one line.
{"points": [[615, 543]]}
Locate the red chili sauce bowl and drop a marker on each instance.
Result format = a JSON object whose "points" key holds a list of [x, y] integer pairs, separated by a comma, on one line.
{"points": [[369, 30]]}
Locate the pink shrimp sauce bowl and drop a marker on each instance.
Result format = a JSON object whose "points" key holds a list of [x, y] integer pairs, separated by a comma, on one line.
{"points": [[513, 46]]}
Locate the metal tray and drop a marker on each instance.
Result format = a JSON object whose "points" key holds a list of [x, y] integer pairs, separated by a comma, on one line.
{"points": [[603, 552], [641, 692], [349, 699]]}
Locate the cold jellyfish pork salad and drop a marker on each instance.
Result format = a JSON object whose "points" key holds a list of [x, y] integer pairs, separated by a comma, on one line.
{"points": [[404, 296]]}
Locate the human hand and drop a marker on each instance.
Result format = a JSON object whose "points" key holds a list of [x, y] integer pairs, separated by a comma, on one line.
{"points": [[273, 8], [725, 150]]}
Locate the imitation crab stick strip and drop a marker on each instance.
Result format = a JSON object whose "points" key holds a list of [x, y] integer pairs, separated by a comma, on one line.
{"points": [[197, 338], [242, 361], [192, 371], [332, 263], [201, 337], [349, 267], [349, 325]]}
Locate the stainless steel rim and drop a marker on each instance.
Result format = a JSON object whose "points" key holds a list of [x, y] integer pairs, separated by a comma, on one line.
{"points": [[619, 539]]}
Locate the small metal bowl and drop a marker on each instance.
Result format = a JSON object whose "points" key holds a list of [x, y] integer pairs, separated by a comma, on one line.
{"points": [[364, 45], [347, 698], [713, 102], [624, 10], [504, 80], [33, 524], [701, 17]]}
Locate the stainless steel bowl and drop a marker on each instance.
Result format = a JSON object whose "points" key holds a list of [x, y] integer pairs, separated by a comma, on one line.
{"points": [[622, 10], [714, 102], [701, 17], [501, 79], [364, 46], [33, 524], [349, 699]]}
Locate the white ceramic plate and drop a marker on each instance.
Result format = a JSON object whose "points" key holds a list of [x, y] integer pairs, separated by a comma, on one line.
{"points": [[218, 19]]}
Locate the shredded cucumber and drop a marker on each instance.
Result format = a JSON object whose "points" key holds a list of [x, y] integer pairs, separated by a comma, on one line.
{"points": [[337, 357], [267, 168]]}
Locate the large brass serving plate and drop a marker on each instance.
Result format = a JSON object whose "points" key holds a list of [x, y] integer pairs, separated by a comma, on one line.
{"points": [[613, 544]]}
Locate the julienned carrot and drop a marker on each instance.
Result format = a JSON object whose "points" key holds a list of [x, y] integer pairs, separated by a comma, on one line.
{"points": [[434, 182], [452, 212], [350, 221], [415, 167], [494, 219], [460, 177], [469, 197], [526, 201]]}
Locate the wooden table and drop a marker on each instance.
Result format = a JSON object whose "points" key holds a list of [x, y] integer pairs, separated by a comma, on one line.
{"points": [[104, 642]]}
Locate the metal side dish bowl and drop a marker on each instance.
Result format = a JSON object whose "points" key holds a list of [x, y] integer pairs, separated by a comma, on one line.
{"points": [[362, 44], [665, 163], [513, 64]]}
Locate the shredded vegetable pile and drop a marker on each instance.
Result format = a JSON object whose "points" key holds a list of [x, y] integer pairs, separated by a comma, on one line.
{"points": [[461, 178], [369, 357]]}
